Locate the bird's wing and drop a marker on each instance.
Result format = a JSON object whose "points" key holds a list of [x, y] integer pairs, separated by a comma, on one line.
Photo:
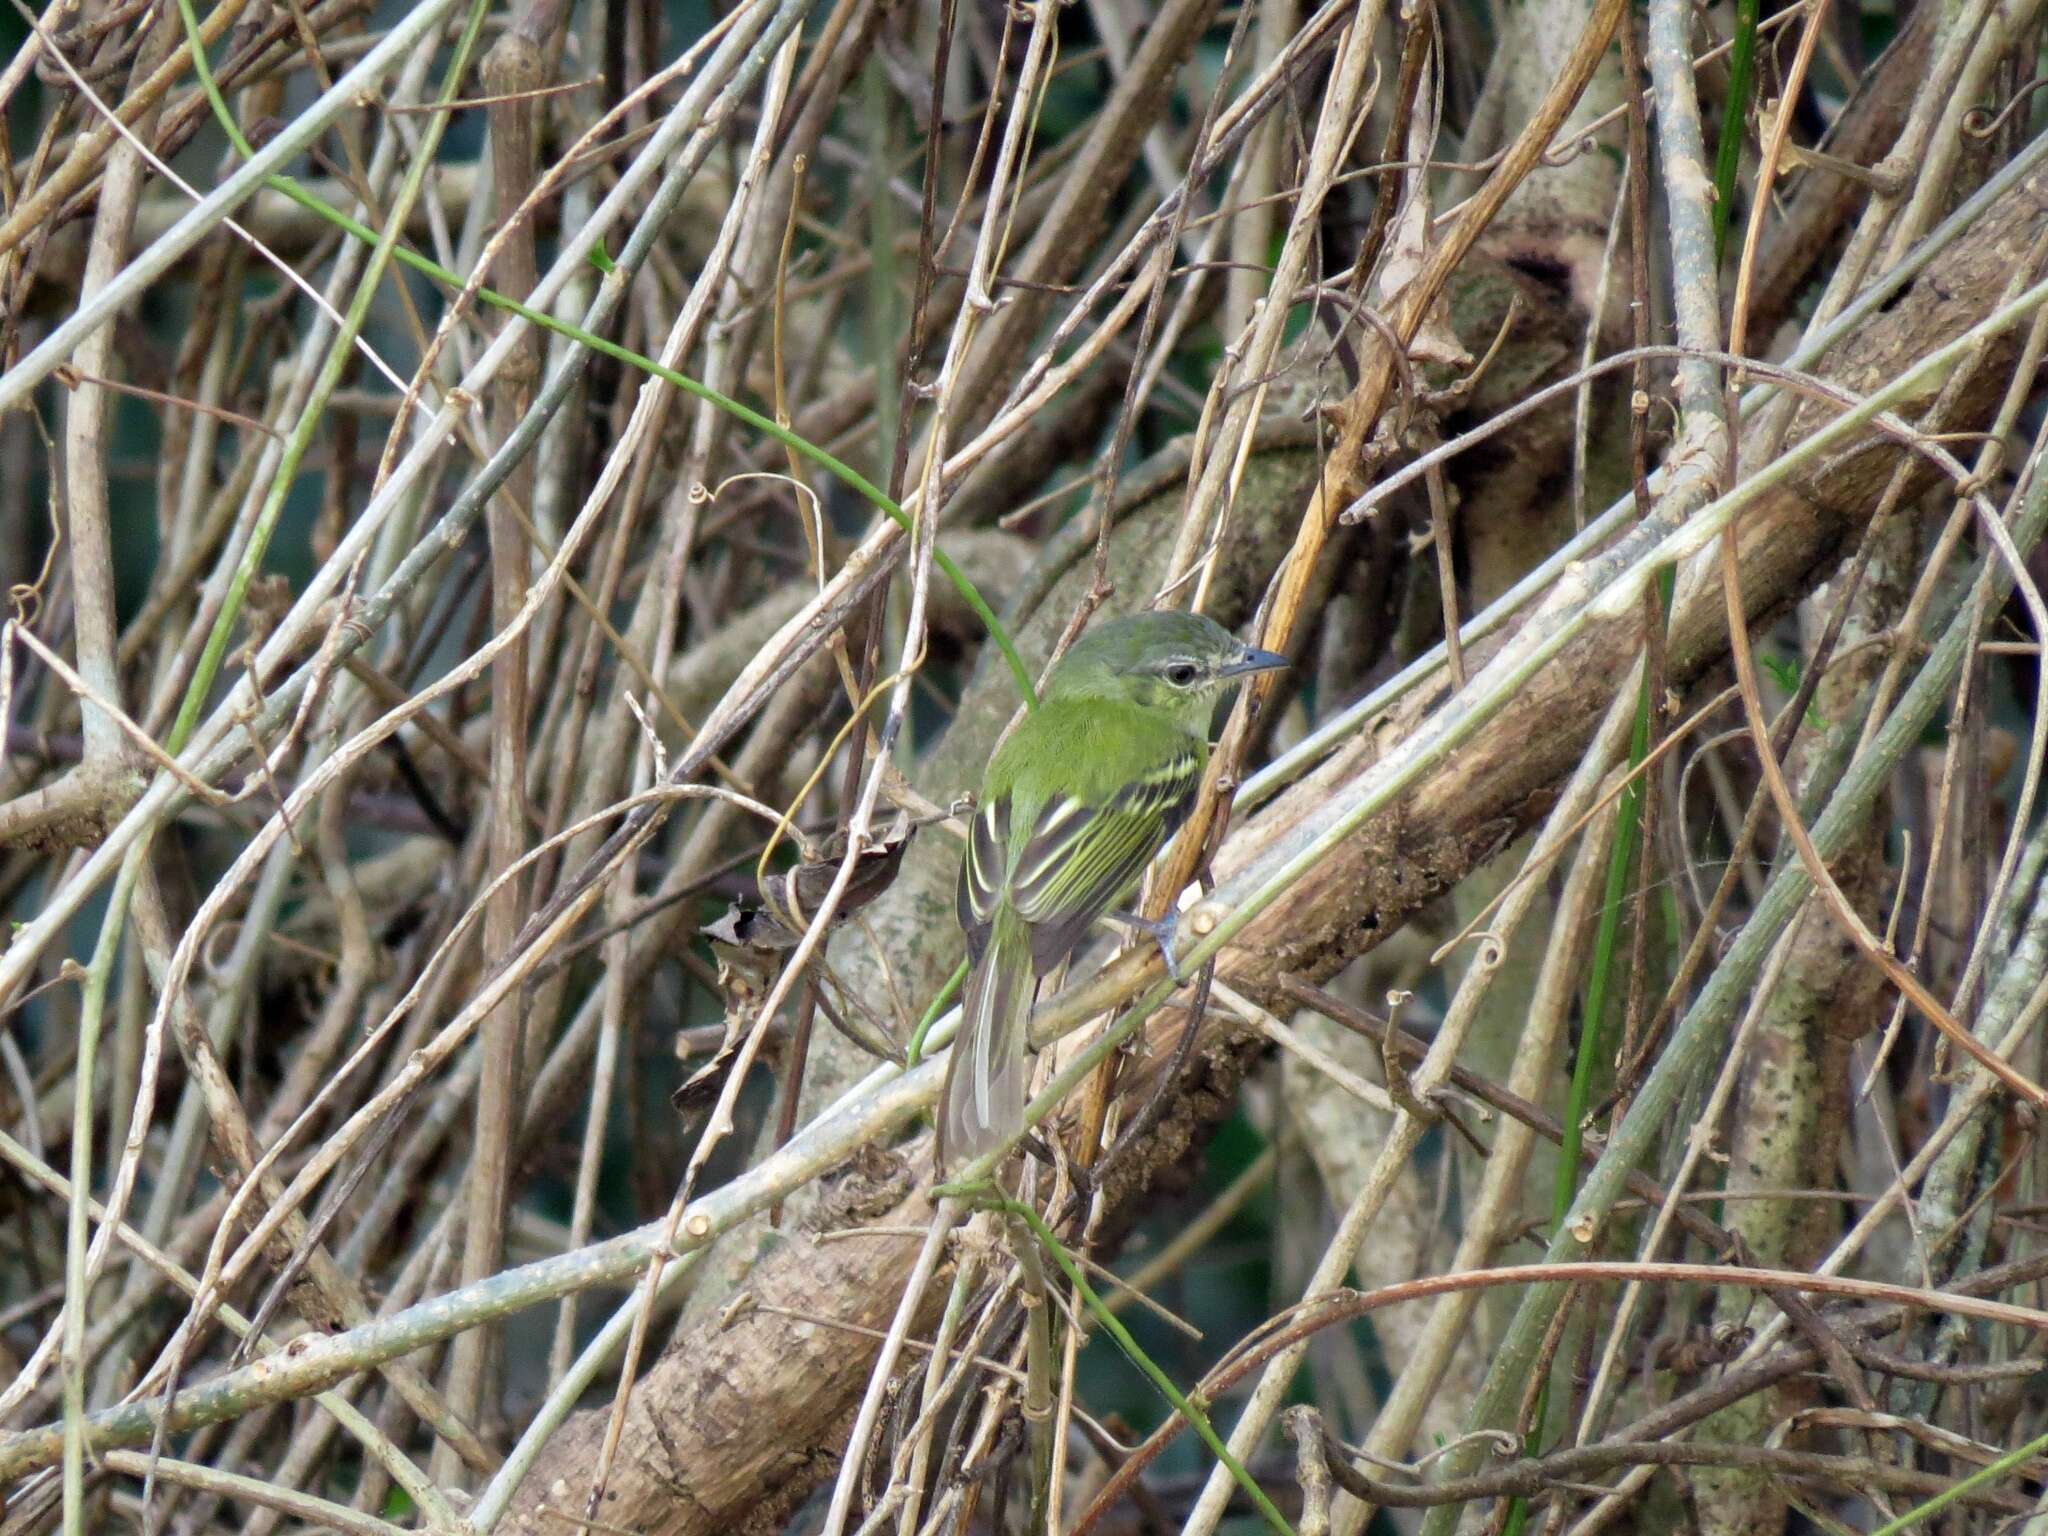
{"points": [[1080, 858], [983, 875]]}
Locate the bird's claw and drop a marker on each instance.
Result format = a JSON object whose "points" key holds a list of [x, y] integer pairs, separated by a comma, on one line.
{"points": [[1162, 931]]}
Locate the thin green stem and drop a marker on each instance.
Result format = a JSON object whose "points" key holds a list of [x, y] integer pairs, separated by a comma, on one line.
{"points": [[108, 944], [915, 1052], [71, 1353], [2017, 1457], [1703, 1029], [93, 1005], [1728, 153], [382, 246], [1183, 1405], [1621, 861]]}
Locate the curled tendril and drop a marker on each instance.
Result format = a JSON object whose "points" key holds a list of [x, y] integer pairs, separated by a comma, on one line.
{"points": [[219, 949], [1493, 948], [1500, 1442], [1979, 123], [1565, 154]]}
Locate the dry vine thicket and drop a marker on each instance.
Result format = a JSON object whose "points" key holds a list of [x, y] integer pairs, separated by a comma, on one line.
{"points": [[523, 523]]}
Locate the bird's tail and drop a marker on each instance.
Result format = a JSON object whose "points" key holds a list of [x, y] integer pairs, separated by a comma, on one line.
{"points": [[982, 1104]]}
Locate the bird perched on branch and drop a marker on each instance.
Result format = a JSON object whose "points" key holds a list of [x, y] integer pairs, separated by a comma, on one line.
{"points": [[1073, 807]]}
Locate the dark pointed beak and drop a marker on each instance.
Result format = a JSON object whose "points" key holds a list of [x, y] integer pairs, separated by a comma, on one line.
{"points": [[1255, 660]]}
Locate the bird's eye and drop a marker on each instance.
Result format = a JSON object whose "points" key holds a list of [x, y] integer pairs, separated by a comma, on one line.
{"points": [[1182, 674]]}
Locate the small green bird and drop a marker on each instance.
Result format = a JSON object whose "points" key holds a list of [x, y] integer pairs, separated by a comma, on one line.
{"points": [[1073, 807]]}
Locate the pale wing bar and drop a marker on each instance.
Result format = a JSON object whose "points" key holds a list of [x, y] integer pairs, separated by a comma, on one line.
{"points": [[1080, 859], [982, 876]]}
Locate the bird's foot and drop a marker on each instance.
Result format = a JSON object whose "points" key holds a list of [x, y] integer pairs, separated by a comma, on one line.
{"points": [[1161, 930]]}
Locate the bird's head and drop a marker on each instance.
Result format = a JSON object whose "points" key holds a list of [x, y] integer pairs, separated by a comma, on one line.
{"points": [[1165, 661]]}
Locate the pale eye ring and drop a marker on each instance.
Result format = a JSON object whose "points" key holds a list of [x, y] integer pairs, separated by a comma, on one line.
{"points": [[1182, 674]]}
